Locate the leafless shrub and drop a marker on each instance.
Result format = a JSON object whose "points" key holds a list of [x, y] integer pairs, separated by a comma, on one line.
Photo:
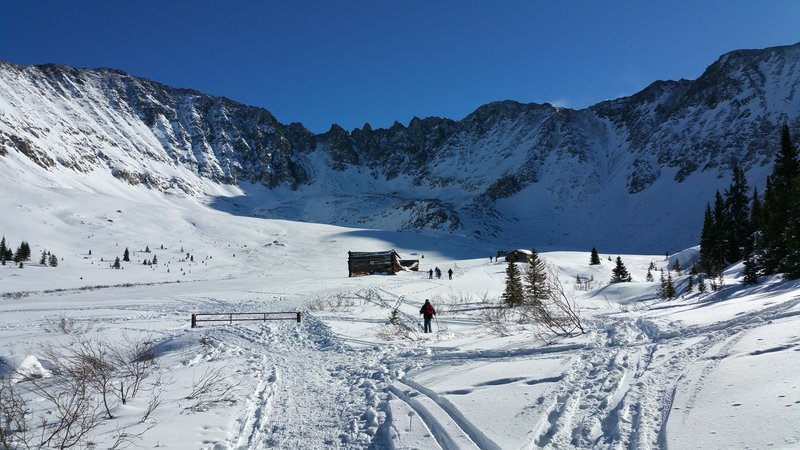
{"points": [[336, 302], [392, 332], [14, 416], [135, 362], [210, 389], [397, 328], [75, 400], [496, 320], [71, 411], [123, 436], [558, 313], [66, 325], [156, 398]]}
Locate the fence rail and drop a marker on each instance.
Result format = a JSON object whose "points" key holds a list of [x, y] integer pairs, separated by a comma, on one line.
{"points": [[230, 317]]}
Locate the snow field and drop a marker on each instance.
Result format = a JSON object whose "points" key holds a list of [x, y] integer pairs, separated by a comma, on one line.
{"points": [[713, 370]]}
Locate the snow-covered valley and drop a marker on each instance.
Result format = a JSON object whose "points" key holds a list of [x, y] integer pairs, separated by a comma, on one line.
{"points": [[712, 370]]}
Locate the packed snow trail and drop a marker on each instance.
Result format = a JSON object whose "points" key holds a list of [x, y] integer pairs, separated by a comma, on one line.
{"points": [[308, 391]]}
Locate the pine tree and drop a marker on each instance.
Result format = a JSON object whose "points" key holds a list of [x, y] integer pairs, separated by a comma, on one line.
{"points": [[707, 241], [147, 249], [594, 259], [649, 278], [536, 288], [126, 256], [676, 266], [116, 264], [513, 295], [701, 284], [53, 260], [155, 259], [669, 289], [620, 273], [690, 283], [43, 258], [3, 250], [790, 263], [721, 235], [777, 205], [23, 252], [738, 213]]}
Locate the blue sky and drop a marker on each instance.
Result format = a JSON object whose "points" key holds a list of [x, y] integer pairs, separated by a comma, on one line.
{"points": [[353, 62]]}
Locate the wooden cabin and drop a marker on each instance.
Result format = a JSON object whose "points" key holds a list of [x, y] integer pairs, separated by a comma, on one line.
{"points": [[519, 255], [368, 263]]}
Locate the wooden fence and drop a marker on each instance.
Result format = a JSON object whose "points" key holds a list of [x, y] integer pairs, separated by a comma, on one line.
{"points": [[230, 317]]}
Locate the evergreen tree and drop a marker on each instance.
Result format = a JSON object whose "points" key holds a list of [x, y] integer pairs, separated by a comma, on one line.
{"points": [[513, 294], [721, 235], [777, 205], [707, 241], [43, 258], [670, 291], [750, 271], [536, 288], [790, 263], [620, 273], [690, 283], [126, 256], [649, 278], [701, 284], [3, 250], [738, 215], [23, 252], [676, 266], [116, 264], [53, 260], [147, 249], [666, 290], [155, 259], [594, 259]]}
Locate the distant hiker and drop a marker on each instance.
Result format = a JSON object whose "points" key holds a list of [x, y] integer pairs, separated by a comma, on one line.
{"points": [[430, 273], [427, 312], [450, 273], [438, 273]]}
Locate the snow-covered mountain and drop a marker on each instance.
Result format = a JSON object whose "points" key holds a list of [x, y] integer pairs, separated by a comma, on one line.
{"points": [[631, 174]]}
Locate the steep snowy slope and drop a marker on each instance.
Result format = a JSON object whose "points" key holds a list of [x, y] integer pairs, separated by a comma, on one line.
{"points": [[631, 174]]}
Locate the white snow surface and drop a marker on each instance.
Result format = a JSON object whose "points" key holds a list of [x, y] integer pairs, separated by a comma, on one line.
{"points": [[713, 370]]}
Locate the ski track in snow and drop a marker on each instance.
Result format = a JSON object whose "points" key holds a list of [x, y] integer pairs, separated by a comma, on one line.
{"points": [[617, 395]]}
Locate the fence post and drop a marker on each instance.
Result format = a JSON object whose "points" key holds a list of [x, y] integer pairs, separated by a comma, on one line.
{"points": [[298, 316], [194, 320]]}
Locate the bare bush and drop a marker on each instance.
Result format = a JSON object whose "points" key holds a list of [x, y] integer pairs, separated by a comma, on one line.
{"points": [[14, 416], [558, 313], [135, 362], [398, 328], [210, 389], [75, 399], [66, 325], [336, 302], [496, 320], [71, 412]]}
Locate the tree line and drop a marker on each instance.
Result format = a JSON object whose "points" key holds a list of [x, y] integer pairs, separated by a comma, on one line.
{"points": [[23, 254], [764, 232]]}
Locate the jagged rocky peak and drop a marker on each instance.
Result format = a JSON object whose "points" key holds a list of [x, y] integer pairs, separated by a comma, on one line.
{"points": [[486, 171]]}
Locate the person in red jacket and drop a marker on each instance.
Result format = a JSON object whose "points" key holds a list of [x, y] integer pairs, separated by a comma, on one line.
{"points": [[427, 312]]}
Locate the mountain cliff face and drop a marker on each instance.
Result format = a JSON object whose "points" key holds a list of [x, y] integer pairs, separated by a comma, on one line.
{"points": [[630, 174]]}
